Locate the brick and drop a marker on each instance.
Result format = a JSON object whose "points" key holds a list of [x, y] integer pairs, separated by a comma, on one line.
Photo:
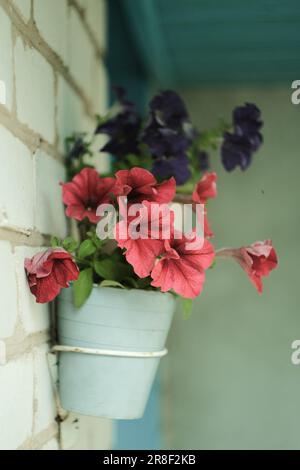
{"points": [[71, 118], [81, 52], [51, 19], [45, 408], [50, 214], [51, 445], [6, 64], [96, 18], [16, 404], [24, 8], [98, 88], [34, 90], [70, 113], [8, 299], [34, 317], [16, 182]]}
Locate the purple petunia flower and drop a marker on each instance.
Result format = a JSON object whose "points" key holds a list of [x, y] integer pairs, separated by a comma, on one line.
{"points": [[165, 142], [236, 151], [168, 109], [172, 166], [238, 147], [123, 129], [247, 119]]}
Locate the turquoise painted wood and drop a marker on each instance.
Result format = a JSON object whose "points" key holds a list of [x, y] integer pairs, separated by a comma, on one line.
{"points": [[114, 319], [194, 42]]}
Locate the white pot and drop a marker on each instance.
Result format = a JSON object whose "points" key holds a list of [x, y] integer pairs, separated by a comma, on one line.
{"points": [[118, 321]]}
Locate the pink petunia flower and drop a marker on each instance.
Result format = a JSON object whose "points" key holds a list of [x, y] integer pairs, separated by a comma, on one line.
{"points": [[139, 184], [85, 193], [182, 269], [205, 189], [257, 260], [48, 272], [143, 235]]}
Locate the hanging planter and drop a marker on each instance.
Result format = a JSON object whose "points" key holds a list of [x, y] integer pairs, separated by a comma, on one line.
{"points": [[122, 334], [110, 339]]}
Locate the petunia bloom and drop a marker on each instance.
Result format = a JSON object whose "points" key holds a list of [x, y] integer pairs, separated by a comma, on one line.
{"points": [[236, 151], [168, 109], [139, 184], [123, 129], [247, 122], [206, 188], [257, 260], [48, 272], [168, 136], [238, 147], [143, 236], [85, 193], [172, 166], [165, 142], [182, 269]]}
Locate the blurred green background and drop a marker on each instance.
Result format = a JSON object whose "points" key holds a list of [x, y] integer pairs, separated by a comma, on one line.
{"points": [[228, 382]]}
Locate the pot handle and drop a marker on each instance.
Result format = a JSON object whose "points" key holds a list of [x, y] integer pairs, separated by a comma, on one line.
{"points": [[109, 352]]}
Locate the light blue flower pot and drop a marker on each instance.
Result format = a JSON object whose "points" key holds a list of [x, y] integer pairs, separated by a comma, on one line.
{"points": [[112, 319]]}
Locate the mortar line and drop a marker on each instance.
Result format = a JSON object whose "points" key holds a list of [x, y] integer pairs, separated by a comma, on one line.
{"points": [[39, 440], [33, 140], [99, 51], [18, 347], [21, 237]]}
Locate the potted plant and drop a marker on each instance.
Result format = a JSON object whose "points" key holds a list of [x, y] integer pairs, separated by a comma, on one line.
{"points": [[130, 262]]}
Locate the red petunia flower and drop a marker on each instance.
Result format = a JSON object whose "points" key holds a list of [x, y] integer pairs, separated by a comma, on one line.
{"points": [[143, 235], [139, 184], [257, 260], [85, 193], [48, 272], [183, 269], [206, 188]]}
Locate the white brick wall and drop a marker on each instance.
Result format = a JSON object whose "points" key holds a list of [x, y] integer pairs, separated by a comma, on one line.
{"points": [[45, 409], [96, 17], [6, 71], [16, 404], [52, 22], [70, 115], [34, 90], [49, 210], [81, 53], [16, 183], [46, 101], [8, 298]]}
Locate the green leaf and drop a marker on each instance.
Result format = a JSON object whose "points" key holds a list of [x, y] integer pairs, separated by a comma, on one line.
{"points": [[55, 242], [133, 160], [187, 305], [70, 244], [83, 287], [95, 239], [111, 283], [108, 268], [87, 248]]}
